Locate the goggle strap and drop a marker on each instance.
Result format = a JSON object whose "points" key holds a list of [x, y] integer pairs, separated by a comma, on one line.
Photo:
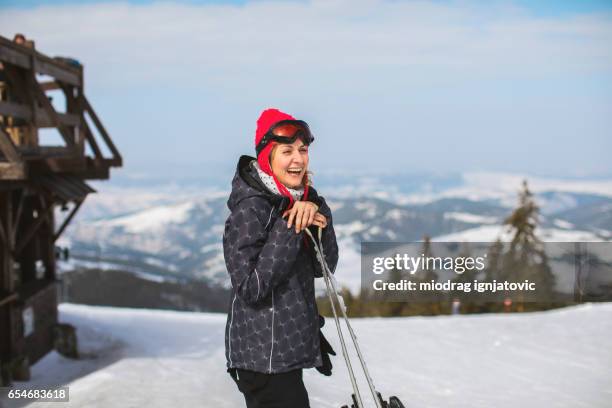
{"points": [[265, 140]]}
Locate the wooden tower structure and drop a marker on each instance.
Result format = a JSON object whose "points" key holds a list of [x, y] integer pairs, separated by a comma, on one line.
{"points": [[36, 179]]}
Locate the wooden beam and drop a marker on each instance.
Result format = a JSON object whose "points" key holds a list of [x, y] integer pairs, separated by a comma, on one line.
{"points": [[57, 70], [9, 222], [8, 299], [18, 215], [18, 85], [95, 172], [23, 57], [92, 141], [3, 236], [73, 106], [16, 110], [49, 86], [8, 148], [43, 120], [65, 119], [12, 171], [43, 204], [42, 165], [117, 159], [43, 215], [67, 220], [42, 152], [11, 185], [12, 56], [46, 104]]}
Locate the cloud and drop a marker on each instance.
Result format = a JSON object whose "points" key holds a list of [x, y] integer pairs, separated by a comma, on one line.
{"points": [[286, 40]]}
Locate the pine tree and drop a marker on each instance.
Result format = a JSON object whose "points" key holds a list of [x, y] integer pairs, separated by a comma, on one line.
{"points": [[526, 258], [524, 220]]}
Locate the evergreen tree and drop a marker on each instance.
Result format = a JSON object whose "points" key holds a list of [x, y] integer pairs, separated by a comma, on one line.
{"points": [[526, 258], [524, 220]]}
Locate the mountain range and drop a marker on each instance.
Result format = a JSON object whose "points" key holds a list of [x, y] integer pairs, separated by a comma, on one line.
{"points": [[174, 232]]}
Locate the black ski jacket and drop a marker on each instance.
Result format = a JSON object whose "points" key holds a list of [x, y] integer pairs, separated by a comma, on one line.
{"points": [[272, 323]]}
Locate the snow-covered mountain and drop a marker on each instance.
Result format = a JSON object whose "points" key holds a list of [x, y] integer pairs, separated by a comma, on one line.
{"points": [[137, 358], [174, 231]]}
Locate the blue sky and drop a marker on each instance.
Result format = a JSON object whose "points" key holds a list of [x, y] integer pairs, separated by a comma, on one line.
{"points": [[538, 7], [411, 86], [35, 3]]}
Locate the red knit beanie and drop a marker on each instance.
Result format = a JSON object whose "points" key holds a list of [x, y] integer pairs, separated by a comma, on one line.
{"points": [[267, 119]]}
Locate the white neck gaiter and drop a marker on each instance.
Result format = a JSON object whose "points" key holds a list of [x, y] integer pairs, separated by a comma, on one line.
{"points": [[268, 181]]}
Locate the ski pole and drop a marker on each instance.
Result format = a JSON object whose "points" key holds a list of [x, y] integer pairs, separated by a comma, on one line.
{"points": [[337, 321], [351, 332], [327, 275]]}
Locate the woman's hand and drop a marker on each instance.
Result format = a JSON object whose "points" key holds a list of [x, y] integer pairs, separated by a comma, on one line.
{"points": [[303, 214], [320, 220]]}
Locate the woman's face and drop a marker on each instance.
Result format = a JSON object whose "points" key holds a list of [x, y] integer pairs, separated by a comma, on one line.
{"points": [[289, 163]]}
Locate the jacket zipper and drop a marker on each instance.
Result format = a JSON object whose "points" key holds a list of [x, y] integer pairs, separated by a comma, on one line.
{"points": [[272, 345], [230, 332]]}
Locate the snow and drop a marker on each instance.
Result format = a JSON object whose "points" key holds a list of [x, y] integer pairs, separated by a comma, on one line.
{"points": [[394, 214], [558, 235], [152, 219], [334, 205], [217, 246], [604, 233], [480, 186], [485, 233], [470, 218], [369, 209], [135, 357], [161, 264], [398, 214], [489, 233], [375, 230], [215, 265], [391, 235], [563, 224], [347, 230], [143, 272]]}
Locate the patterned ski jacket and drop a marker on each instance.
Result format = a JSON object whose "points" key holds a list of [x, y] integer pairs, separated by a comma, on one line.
{"points": [[272, 323]]}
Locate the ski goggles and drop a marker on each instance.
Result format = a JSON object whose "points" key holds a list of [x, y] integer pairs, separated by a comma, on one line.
{"points": [[286, 131]]}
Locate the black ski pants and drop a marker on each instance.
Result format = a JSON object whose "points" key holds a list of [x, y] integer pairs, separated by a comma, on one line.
{"points": [[283, 390]]}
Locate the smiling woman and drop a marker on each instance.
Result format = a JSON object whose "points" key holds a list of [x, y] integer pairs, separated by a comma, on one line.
{"points": [[273, 326]]}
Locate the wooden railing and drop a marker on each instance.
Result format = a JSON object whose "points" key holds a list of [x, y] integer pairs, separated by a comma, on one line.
{"points": [[25, 105]]}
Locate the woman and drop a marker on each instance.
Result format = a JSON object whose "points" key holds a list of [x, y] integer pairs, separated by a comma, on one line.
{"points": [[272, 330]]}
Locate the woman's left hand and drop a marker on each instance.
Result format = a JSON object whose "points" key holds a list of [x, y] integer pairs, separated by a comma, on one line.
{"points": [[320, 220], [302, 213]]}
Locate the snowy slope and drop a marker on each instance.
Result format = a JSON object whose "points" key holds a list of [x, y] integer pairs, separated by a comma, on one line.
{"points": [[136, 358]]}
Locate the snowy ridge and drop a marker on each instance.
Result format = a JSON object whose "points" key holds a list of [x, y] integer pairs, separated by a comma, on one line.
{"points": [[150, 220], [471, 218], [480, 186], [490, 233]]}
